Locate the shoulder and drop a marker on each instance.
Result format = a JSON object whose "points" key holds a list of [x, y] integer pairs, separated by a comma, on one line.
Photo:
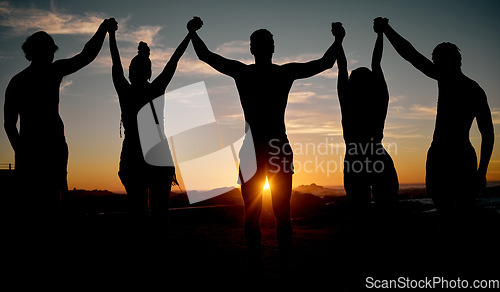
{"points": [[476, 95], [245, 69], [287, 69], [471, 86], [284, 67], [18, 78]]}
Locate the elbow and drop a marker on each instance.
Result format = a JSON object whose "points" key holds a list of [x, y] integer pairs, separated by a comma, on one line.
{"points": [[328, 63], [205, 55], [86, 60], [90, 53]]}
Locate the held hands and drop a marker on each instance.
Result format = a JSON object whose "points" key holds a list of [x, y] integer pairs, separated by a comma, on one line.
{"points": [[194, 24], [110, 25], [338, 30], [380, 24]]}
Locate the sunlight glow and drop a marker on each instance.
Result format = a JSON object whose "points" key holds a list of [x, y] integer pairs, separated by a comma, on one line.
{"points": [[266, 185]]}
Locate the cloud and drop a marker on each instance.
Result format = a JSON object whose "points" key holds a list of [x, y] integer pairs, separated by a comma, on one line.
{"points": [[195, 67], [4, 56], [312, 126], [146, 33], [330, 73], [395, 135], [300, 97], [26, 20], [23, 21], [233, 48], [414, 112], [495, 115], [308, 91], [428, 112], [312, 122]]}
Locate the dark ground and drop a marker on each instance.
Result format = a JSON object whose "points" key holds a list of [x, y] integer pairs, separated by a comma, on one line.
{"points": [[205, 246]]}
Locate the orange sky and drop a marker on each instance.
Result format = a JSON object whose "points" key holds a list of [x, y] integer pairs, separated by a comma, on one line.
{"points": [[91, 113]]}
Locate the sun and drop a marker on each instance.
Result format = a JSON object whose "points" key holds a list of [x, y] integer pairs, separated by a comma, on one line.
{"points": [[266, 185]]}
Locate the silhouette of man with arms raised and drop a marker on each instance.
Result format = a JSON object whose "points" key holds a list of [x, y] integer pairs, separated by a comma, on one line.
{"points": [[364, 99], [263, 88], [41, 152], [453, 177]]}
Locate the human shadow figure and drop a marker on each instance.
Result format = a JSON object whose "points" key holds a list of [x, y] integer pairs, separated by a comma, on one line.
{"points": [[263, 89], [41, 152], [364, 100], [453, 177], [142, 180]]}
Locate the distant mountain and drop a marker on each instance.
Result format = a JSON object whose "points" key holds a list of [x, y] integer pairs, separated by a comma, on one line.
{"points": [[319, 190], [82, 193]]}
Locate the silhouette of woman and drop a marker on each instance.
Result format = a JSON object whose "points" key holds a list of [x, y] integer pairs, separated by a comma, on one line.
{"points": [[364, 98], [139, 178]]}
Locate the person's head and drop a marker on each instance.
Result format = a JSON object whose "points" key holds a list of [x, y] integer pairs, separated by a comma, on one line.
{"points": [[447, 57], [140, 67], [361, 79], [262, 43], [39, 47]]}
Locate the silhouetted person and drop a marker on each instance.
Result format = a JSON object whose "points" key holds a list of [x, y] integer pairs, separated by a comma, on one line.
{"points": [[263, 89], [139, 178], [364, 99], [453, 178], [41, 152]]}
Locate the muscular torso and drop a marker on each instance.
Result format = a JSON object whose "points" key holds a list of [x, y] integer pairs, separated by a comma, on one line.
{"points": [[264, 94], [36, 91], [458, 104]]}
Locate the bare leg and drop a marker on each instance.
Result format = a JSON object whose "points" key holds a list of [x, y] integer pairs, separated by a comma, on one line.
{"points": [[281, 190], [252, 197]]}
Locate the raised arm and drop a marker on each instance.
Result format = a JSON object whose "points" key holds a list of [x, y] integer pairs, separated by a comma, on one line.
{"points": [[406, 50], [119, 79], [161, 82], [343, 76], [219, 63], [11, 114], [305, 70], [485, 125], [90, 50], [378, 49]]}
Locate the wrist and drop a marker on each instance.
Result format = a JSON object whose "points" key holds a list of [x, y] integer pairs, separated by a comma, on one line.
{"points": [[102, 29]]}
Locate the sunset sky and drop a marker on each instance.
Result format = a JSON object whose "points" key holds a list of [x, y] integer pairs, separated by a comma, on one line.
{"points": [[89, 105]]}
